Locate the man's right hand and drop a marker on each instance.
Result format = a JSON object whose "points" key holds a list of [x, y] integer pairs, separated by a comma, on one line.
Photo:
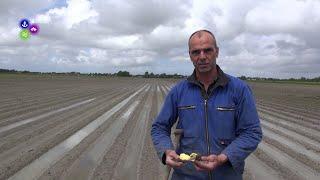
{"points": [[172, 159]]}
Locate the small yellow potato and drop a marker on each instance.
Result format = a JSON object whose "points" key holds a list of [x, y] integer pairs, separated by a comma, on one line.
{"points": [[184, 157]]}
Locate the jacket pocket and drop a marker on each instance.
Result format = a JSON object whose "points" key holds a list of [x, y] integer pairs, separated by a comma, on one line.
{"points": [[187, 116], [186, 107], [226, 108], [225, 120]]}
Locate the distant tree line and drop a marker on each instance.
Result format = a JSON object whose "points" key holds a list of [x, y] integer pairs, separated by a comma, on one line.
{"points": [[145, 75], [117, 74], [12, 71], [302, 79], [151, 75], [162, 75]]}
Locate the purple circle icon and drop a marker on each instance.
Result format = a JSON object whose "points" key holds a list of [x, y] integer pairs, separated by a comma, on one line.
{"points": [[24, 23], [34, 29]]}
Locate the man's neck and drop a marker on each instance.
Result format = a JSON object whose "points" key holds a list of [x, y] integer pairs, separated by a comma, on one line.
{"points": [[207, 78]]}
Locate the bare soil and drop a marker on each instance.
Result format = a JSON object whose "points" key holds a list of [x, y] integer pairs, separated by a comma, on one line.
{"points": [[289, 116]]}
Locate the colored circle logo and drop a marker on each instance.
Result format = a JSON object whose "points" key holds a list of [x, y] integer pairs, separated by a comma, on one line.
{"points": [[24, 23], [24, 34], [28, 29], [34, 29]]}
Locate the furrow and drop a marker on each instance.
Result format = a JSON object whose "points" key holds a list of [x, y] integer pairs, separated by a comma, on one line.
{"points": [[283, 112], [40, 165], [128, 164], [25, 133], [288, 167], [290, 117], [308, 132], [295, 150], [308, 143], [258, 170]]}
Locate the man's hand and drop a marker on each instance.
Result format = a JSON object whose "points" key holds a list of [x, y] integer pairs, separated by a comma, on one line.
{"points": [[172, 159], [209, 163]]}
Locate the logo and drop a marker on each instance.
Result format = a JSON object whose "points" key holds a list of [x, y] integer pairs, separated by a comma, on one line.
{"points": [[34, 29], [27, 29], [24, 34], [24, 23]]}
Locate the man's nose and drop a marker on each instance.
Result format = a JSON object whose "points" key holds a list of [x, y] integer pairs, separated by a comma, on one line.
{"points": [[202, 55]]}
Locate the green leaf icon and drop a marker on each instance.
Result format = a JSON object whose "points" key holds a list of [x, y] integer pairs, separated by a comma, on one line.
{"points": [[24, 34]]}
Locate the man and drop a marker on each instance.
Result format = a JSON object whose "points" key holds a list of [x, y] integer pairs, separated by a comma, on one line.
{"points": [[217, 117]]}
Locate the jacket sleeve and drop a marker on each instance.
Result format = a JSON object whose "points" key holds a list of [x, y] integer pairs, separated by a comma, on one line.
{"points": [[248, 131], [161, 126]]}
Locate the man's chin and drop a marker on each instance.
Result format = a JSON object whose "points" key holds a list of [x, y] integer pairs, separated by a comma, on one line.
{"points": [[204, 70]]}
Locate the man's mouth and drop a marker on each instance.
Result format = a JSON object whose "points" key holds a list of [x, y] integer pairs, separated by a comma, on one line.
{"points": [[203, 65]]}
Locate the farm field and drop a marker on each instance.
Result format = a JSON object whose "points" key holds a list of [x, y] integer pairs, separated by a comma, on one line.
{"points": [[99, 128]]}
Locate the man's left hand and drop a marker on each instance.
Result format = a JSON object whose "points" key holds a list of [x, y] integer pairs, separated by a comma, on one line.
{"points": [[209, 163]]}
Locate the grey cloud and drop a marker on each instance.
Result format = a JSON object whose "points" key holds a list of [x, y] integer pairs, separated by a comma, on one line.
{"points": [[12, 11], [270, 46], [152, 35], [136, 17], [228, 21], [16, 7], [305, 63], [166, 40]]}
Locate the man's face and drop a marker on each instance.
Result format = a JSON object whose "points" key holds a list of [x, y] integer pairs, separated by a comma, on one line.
{"points": [[203, 52]]}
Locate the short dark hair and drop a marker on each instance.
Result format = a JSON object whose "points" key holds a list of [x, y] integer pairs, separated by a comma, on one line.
{"points": [[200, 31]]}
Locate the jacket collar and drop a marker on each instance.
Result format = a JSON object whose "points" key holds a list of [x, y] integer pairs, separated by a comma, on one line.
{"points": [[221, 80]]}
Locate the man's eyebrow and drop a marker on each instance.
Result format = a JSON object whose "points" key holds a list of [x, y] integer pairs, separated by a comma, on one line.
{"points": [[209, 48]]}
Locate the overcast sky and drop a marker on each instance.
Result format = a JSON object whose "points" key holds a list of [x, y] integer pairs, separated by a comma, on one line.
{"points": [[274, 38]]}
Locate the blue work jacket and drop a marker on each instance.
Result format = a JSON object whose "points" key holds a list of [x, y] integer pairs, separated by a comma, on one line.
{"points": [[223, 120]]}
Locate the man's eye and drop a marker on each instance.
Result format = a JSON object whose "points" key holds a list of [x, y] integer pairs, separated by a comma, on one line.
{"points": [[208, 50], [205, 51], [195, 52]]}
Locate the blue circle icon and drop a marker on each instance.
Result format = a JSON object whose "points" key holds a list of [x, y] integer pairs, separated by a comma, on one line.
{"points": [[24, 23]]}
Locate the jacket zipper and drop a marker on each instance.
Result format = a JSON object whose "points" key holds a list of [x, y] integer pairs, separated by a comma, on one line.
{"points": [[207, 131]]}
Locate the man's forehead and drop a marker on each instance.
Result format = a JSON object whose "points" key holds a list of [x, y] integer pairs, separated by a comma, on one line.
{"points": [[201, 37], [202, 34]]}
